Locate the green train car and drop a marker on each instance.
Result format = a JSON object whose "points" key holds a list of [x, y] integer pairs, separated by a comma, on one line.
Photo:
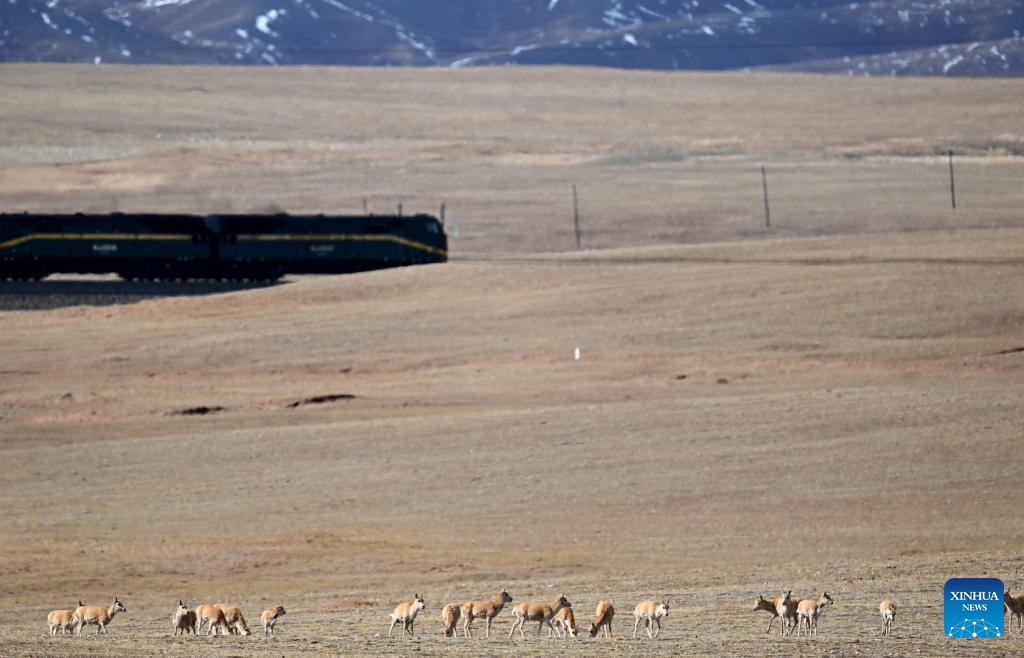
{"points": [[234, 247]]}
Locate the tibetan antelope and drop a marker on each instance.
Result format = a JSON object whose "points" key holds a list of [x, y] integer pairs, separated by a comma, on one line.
{"points": [[450, 615], [233, 617], [603, 619], [787, 611], [1015, 606], [214, 616], [269, 619], [61, 619], [888, 611], [406, 613], [94, 614], [483, 609], [538, 612], [651, 613], [184, 620], [565, 623], [783, 607], [810, 610]]}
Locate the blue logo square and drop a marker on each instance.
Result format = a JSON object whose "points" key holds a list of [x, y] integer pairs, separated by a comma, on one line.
{"points": [[974, 608]]}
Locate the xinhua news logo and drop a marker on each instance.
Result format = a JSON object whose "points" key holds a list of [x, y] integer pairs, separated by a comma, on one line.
{"points": [[974, 607]]}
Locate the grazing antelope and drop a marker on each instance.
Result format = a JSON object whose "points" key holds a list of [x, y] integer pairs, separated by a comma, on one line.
{"points": [[269, 619], [214, 616], [233, 617], [603, 619], [888, 610], [94, 614], [810, 610], [450, 614], [651, 613], [538, 612], [483, 609], [406, 613], [1015, 606], [565, 623], [63, 620], [184, 620]]}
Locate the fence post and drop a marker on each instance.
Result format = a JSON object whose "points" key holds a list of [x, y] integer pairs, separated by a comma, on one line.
{"points": [[952, 182], [576, 214], [764, 184]]}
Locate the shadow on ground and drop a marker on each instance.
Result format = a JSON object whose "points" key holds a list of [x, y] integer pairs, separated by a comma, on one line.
{"points": [[60, 293]]}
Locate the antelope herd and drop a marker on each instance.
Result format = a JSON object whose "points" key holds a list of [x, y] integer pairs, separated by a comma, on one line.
{"points": [[794, 613]]}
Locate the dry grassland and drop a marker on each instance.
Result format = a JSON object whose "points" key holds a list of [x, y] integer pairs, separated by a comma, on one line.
{"points": [[769, 411], [658, 157]]}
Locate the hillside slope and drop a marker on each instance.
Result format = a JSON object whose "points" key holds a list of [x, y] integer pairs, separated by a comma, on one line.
{"points": [[953, 37]]}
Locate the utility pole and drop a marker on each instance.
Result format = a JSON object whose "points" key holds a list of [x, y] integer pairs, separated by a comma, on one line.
{"points": [[576, 214], [952, 182], [764, 184]]}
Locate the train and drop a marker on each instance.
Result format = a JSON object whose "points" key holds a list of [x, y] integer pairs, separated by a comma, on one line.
{"points": [[181, 247]]}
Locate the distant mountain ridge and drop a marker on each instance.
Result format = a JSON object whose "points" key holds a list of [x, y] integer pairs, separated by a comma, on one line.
{"points": [[898, 37]]}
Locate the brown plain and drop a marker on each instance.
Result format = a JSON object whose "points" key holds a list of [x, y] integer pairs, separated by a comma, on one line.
{"points": [[850, 377]]}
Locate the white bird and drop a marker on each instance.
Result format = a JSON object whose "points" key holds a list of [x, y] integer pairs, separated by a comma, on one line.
{"points": [[576, 353]]}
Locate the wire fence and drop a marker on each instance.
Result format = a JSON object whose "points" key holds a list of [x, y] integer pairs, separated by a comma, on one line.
{"points": [[720, 200]]}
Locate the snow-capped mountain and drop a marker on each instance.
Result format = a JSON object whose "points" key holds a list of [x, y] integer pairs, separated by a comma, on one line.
{"points": [[950, 37]]}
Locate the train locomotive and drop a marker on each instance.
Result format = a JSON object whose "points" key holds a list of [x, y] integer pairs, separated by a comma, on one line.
{"points": [[226, 247]]}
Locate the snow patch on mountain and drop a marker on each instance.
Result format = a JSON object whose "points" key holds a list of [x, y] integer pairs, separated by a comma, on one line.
{"points": [[156, 4], [350, 10], [263, 21], [411, 40]]}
